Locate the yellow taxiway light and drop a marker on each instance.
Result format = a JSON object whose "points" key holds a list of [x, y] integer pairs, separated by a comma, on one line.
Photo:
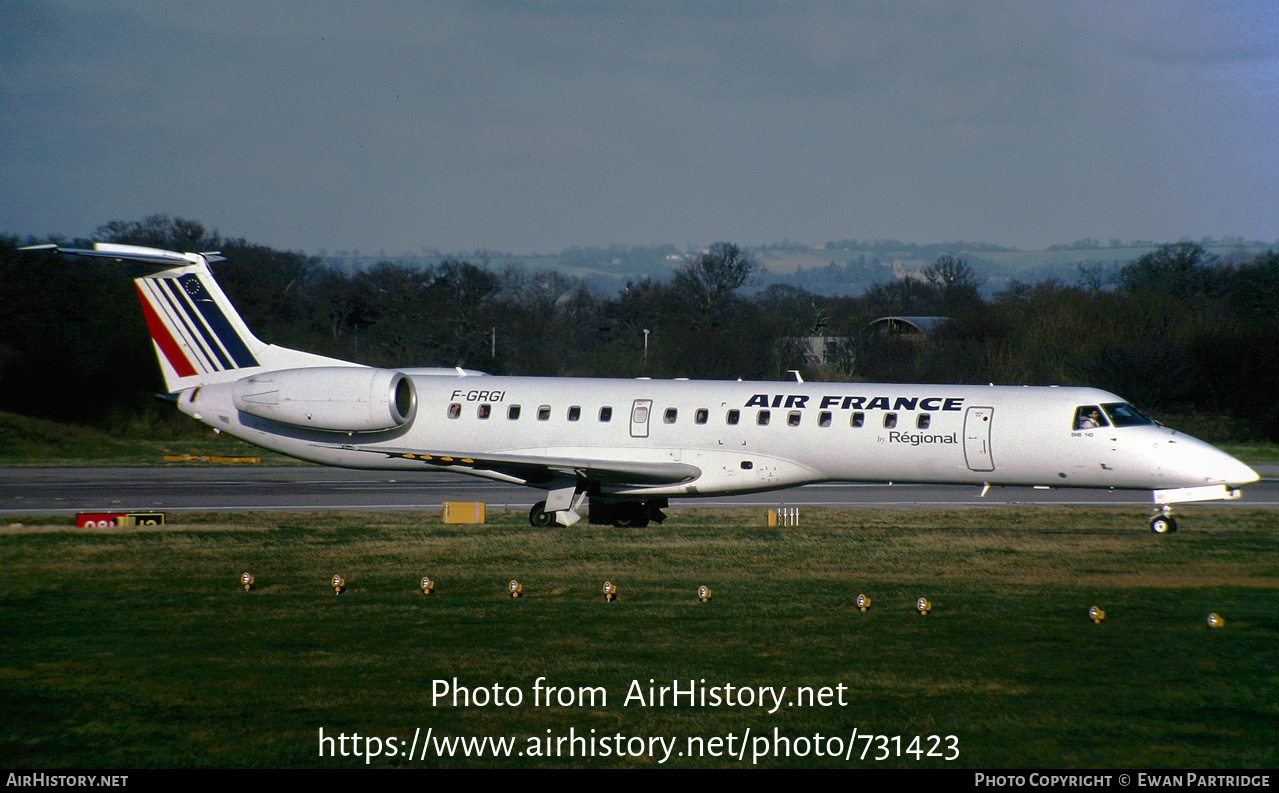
{"points": [[515, 588]]}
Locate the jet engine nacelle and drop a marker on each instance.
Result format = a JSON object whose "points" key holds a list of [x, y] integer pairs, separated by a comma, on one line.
{"points": [[343, 398]]}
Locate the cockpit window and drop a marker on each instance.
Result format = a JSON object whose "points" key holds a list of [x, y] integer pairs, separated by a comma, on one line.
{"points": [[1124, 415], [1089, 417]]}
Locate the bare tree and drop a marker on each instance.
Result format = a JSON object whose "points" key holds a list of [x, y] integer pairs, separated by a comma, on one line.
{"points": [[951, 272], [715, 275]]}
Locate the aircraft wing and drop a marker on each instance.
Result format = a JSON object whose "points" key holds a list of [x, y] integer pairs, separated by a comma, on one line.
{"points": [[537, 470]]}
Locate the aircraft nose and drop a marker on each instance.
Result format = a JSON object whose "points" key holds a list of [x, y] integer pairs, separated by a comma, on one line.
{"points": [[1212, 465], [1236, 473]]}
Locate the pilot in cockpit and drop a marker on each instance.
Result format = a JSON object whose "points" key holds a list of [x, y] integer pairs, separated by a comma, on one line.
{"points": [[1089, 417]]}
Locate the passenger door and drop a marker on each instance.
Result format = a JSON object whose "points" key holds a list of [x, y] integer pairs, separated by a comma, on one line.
{"points": [[977, 451]]}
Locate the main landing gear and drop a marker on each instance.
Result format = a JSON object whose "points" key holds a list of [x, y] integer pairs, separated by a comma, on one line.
{"points": [[539, 517], [626, 514], [1163, 522]]}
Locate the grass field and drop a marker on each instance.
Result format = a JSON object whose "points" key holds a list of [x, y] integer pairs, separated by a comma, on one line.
{"points": [[137, 648], [30, 442]]}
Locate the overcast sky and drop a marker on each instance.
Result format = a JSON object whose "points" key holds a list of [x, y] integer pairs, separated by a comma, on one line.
{"points": [[531, 127]]}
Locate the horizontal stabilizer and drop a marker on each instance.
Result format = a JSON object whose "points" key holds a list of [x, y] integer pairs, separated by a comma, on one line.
{"points": [[133, 253]]}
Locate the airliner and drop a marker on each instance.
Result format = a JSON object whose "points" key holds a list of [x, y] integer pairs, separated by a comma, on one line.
{"points": [[620, 449]]}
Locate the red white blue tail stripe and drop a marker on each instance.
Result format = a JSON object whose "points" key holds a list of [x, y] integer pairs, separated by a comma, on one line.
{"points": [[191, 330]]}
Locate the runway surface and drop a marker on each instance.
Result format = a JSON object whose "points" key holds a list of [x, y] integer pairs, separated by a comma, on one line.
{"points": [[28, 491]]}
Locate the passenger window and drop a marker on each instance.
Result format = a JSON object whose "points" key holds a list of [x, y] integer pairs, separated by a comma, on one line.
{"points": [[762, 418], [606, 414], [859, 419], [574, 413], [455, 410], [543, 412], [670, 415], [701, 416], [733, 416], [924, 421], [890, 420], [823, 419], [513, 412], [1089, 417], [792, 418], [484, 411]]}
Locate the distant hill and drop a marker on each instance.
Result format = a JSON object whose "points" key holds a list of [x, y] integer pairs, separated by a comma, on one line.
{"points": [[848, 267]]}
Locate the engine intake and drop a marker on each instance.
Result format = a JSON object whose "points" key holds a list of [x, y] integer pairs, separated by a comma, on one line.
{"points": [[343, 398]]}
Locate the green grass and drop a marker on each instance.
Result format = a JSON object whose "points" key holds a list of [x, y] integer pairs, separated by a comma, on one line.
{"points": [[136, 648], [33, 442]]}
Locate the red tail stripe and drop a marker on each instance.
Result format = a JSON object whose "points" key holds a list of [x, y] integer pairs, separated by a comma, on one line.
{"points": [[160, 334]]}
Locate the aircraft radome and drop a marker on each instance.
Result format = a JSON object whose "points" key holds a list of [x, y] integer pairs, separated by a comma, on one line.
{"points": [[631, 445]]}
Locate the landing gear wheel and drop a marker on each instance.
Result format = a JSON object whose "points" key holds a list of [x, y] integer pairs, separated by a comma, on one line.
{"points": [[1163, 524], [539, 517], [632, 515]]}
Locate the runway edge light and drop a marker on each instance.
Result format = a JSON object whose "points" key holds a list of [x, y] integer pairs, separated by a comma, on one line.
{"points": [[246, 580], [515, 588], [924, 605], [427, 585], [610, 591], [783, 516], [1215, 620], [863, 603], [1096, 615], [704, 593], [338, 583]]}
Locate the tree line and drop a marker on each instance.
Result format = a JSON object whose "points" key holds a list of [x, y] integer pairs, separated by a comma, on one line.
{"points": [[1176, 331]]}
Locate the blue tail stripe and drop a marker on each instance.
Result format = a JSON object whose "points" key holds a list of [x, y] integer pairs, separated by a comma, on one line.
{"points": [[217, 320], [199, 349], [181, 299]]}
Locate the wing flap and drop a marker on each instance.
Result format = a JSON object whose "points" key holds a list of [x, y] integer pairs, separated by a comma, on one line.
{"points": [[535, 469]]}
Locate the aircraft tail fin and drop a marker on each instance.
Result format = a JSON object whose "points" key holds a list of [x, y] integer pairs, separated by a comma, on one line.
{"points": [[199, 337]]}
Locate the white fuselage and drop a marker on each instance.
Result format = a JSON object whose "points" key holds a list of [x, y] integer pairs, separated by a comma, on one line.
{"points": [[631, 444], [785, 433]]}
